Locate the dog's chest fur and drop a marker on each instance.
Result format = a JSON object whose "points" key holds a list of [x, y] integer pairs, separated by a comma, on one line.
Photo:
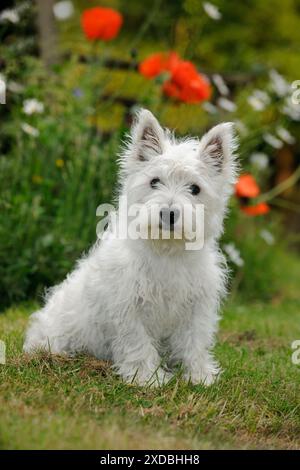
{"points": [[165, 300]]}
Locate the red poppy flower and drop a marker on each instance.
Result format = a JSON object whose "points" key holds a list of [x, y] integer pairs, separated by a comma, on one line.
{"points": [[246, 186], [185, 84], [185, 71], [158, 63], [101, 23], [258, 209], [171, 89]]}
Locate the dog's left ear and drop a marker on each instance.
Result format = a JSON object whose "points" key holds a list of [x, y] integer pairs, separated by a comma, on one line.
{"points": [[147, 136], [217, 148]]}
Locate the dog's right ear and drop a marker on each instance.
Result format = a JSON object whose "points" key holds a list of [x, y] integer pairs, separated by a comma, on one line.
{"points": [[147, 136]]}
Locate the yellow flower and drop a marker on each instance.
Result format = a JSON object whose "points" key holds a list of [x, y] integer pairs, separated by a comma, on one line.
{"points": [[59, 163], [37, 179]]}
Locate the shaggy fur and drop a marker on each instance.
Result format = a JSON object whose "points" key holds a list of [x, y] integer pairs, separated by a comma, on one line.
{"points": [[137, 302]]}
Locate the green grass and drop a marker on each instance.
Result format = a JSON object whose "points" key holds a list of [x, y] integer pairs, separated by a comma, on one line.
{"points": [[79, 403]]}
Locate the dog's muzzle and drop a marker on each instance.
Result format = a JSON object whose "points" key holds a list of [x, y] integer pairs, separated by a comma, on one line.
{"points": [[168, 217]]}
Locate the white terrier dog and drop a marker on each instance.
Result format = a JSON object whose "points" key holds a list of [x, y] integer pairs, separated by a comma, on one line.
{"points": [[132, 301]]}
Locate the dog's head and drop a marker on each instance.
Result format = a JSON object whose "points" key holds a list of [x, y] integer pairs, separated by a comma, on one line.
{"points": [[169, 178]]}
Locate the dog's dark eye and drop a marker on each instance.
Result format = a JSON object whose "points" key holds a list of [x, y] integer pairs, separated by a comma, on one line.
{"points": [[194, 188], [153, 183]]}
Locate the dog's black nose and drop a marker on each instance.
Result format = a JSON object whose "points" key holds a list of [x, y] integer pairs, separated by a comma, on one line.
{"points": [[169, 217]]}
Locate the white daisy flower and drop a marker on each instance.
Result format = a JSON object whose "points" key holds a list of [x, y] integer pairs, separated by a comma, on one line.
{"points": [[32, 106], [285, 135], [209, 107], [241, 127], [291, 110], [32, 131], [63, 10], [259, 100], [272, 140], [21, 7], [259, 160], [9, 15], [220, 84], [233, 254], [212, 11], [268, 237], [279, 84], [226, 104], [15, 87]]}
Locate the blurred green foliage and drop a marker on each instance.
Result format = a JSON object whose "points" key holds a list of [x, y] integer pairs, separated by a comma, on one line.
{"points": [[251, 36]]}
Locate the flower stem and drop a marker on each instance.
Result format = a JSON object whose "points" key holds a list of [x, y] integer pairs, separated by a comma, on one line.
{"points": [[284, 204], [280, 188]]}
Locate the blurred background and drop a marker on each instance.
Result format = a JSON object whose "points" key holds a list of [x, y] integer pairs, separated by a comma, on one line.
{"points": [[71, 78]]}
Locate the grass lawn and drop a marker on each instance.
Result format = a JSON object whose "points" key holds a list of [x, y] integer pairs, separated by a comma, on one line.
{"points": [[78, 403]]}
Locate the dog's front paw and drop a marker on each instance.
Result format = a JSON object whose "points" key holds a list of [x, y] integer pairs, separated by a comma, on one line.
{"points": [[205, 374], [147, 378]]}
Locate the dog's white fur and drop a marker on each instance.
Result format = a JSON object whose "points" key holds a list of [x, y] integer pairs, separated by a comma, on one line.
{"points": [[131, 301]]}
